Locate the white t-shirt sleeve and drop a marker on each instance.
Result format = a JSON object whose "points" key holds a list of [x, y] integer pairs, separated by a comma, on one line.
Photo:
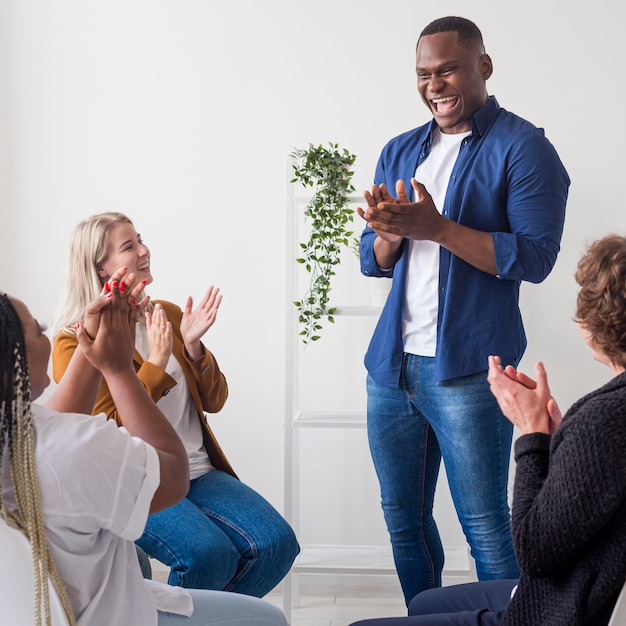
{"points": [[96, 475]]}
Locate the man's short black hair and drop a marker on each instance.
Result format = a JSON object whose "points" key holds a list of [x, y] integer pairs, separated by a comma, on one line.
{"points": [[467, 32]]}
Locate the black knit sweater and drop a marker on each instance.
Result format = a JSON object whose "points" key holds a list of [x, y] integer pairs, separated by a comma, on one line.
{"points": [[569, 515]]}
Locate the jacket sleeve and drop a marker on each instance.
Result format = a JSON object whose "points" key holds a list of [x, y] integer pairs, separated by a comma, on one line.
{"points": [[156, 381], [564, 498]]}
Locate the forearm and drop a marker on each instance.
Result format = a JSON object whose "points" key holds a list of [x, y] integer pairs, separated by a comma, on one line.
{"points": [[155, 380], [472, 246], [77, 390], [195, 350], [387, 253], [143, 419], [210, 382]]}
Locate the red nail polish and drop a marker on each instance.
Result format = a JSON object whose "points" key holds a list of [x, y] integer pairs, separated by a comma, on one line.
{"points": [[145, 282], [122, 287], [77, 326], [115, 283], [110, 294], [107, 287]]}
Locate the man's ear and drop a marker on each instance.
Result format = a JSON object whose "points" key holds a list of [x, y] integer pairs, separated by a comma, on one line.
{"points": [[486, 66]]}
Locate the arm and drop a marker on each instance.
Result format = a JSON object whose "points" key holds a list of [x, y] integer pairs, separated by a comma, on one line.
{"points": [[111, 353], [512, 215], [78, 381], [566, 498], [529, 405], [210, 383], [394, 220], [565, 493], [66, 348], [196, 322], [77, 390]]}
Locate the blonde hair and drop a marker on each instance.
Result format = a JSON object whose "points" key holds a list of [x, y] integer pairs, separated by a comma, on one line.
{"points": [[89, 246], [17, 440]]}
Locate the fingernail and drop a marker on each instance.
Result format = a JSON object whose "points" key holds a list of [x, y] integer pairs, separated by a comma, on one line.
{"points": [[109, 295], [122, 287], [134, 301], [115, 283], [145, 282], [107, 287], [77, 326]]}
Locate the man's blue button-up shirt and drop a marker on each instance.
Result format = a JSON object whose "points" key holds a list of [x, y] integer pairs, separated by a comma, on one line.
{"points": [[507, 180]]}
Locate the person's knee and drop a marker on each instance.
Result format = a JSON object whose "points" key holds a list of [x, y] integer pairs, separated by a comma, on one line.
{"points": [[205, 566], [280, 546]]}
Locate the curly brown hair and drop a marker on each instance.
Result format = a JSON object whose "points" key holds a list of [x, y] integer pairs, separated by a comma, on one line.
{"points": [[601, 302]]}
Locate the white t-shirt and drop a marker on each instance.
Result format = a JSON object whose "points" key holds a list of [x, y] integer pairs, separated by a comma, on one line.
{"points": [[97, 483], [421, 302], [179, 409]]}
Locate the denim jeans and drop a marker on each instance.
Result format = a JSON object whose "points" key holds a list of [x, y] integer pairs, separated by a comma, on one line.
{"points": [[219, 608], [410, 429], [222, 536]]}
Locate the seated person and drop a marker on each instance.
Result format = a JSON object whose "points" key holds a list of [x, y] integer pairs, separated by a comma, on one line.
{"points": [[82, 488], [569, 504], [223, 534]]}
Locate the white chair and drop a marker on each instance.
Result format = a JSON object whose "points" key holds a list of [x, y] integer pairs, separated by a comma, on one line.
{"points": [[618, 617], [17, 582]]}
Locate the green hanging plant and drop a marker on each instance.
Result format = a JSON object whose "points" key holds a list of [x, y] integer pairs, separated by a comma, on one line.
{"points": [[329, 172]]}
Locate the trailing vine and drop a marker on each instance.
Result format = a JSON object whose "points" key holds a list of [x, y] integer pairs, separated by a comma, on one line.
{"points": [[329, 172]]}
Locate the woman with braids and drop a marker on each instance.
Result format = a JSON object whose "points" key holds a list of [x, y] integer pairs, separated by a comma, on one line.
{"points": [[569, 503], [222, 535], [81, 488]]}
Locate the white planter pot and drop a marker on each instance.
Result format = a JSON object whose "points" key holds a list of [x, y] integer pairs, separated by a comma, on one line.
{"points": [[379, 290]]}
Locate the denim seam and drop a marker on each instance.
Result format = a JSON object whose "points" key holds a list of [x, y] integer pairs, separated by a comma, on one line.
{"points": [[251, 543], [424, 541]]}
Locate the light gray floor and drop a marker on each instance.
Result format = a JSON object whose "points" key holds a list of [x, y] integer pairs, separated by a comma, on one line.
{"points": [[339, 600]]}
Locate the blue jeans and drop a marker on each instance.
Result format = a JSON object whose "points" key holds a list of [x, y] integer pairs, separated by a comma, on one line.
{"points": [[410, 429], [222, 536], [219, 608]]}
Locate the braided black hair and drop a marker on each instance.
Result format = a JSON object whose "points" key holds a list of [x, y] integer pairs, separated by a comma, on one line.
{"points": [[17, 446]]}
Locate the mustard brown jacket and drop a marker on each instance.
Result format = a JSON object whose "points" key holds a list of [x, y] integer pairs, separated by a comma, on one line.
{"points": [[206, 382]]}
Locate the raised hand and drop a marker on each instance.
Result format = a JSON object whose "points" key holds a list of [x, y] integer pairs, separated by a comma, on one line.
{"points": [[529, 408], [196, 322], [394, 219], [160, 336], [378, 196], [112, 347], [128, 285]]}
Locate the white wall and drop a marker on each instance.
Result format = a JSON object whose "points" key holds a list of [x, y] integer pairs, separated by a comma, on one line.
{"points": [[182, 114]]}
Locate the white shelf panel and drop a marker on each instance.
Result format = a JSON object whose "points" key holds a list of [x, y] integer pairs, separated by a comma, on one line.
{"points": [[361, 311], [330, 419], [377, 560]]}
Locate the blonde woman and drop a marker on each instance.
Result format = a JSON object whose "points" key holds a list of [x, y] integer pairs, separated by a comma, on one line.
{"points": [[81, 488], [222, 535]]}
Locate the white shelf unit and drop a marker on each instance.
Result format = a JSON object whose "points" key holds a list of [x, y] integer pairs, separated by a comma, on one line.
{"points": [[321, 558]]}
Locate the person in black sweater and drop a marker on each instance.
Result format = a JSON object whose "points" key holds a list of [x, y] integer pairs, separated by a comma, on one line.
{"points": [[569, 502]]}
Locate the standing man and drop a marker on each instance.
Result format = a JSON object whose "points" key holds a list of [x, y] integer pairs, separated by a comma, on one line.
{"points": [[485, 212]]}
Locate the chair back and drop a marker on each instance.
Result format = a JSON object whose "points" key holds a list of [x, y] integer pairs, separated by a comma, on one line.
{"points": [[17, 582]]}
